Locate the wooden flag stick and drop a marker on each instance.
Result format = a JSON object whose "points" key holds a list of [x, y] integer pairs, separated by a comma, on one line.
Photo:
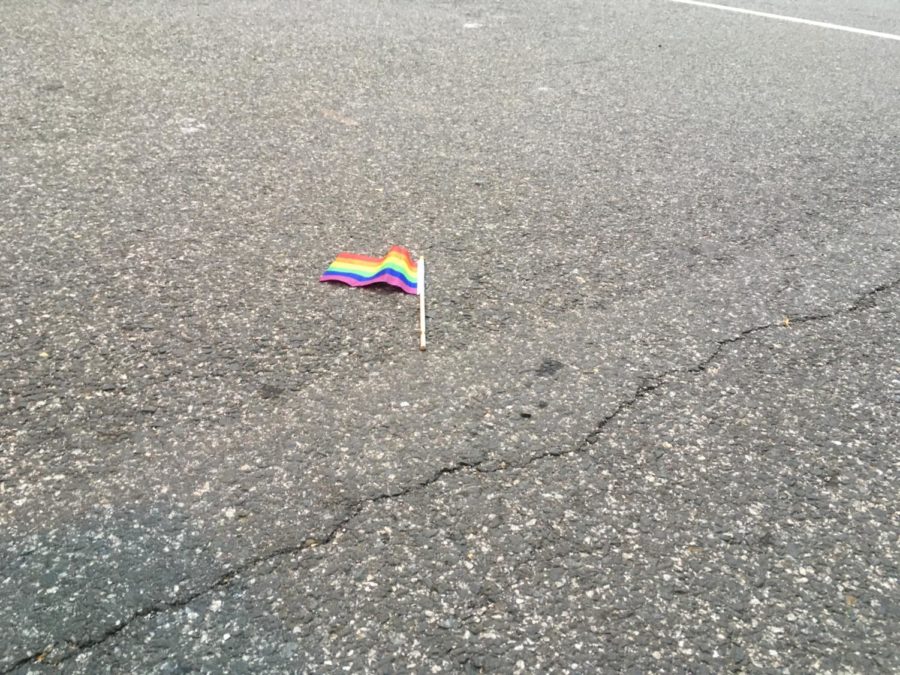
{"points": [[421, 271]]}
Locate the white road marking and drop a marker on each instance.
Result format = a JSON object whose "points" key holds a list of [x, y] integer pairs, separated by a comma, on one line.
{"points": [[792, 19]]}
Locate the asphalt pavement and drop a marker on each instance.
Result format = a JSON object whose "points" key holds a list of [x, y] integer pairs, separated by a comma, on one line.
{"points": [[656, 428]]}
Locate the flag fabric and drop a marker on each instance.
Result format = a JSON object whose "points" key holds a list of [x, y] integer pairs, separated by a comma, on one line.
{"points": [[396, 268]]}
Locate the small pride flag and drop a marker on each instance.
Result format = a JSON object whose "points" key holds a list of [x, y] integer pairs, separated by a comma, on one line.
{"points": [[396, 268]]}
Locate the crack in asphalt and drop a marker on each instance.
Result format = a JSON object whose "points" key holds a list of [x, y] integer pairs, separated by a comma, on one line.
{"points": [[72, 648], [652, 384]]}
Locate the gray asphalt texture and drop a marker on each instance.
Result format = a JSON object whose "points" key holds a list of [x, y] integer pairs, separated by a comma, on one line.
{"points": [[656, 429]]}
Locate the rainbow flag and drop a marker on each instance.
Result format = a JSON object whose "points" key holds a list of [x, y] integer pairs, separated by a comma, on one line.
{"points": [[396, 268]]}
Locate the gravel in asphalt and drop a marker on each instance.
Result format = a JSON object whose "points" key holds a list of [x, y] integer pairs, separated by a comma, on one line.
{"points": [[656, 427]]}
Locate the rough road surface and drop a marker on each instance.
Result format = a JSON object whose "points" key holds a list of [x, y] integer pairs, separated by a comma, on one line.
{"points": [[657, 426]]}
